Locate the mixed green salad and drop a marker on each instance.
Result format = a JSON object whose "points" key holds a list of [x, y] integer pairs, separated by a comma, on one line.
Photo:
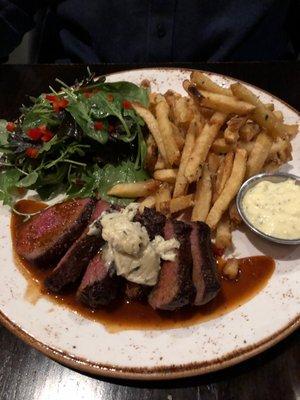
{"points": [[81, 141]]}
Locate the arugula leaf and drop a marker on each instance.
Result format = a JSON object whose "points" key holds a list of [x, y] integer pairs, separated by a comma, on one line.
{"points": [[127, 90], [80, 111], [40, 113], [8, 182], [3, 132], [28, 180]]}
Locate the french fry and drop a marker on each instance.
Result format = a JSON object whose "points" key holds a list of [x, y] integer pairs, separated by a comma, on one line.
{"points": [[231, 133], [249, 131], [269, 106], [291, 130], [204, 82], [223, 175], [213, 163], [151, 154], [181, 183], [165, 175], [278, 114], [181, 203], [223, 233], [162, 199], [148, 202], [259, 154], [152, 124], [178, 136], [202, 145], [220, 146], [134, 190], [183, 114], [234, 215], [160, 163], [248, 146], [225, 104], [230, 190], [166, 132], [231, 268], [264, 117], [203, 196]]}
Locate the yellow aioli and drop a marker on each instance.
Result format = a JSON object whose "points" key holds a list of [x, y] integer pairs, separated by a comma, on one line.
{"points": [[274, 208]]}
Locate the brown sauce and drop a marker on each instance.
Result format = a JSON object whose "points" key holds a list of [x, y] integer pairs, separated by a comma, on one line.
{"points": [[254, 275]]}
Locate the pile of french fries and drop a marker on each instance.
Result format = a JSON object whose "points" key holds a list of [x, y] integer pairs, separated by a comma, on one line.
{"points": [[203, 146]]}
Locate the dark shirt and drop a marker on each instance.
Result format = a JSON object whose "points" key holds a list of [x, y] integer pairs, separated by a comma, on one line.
{"points": [[93, 31]]}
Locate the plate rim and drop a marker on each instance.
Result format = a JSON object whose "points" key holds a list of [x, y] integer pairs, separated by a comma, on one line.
{"points": [[168, 371]]}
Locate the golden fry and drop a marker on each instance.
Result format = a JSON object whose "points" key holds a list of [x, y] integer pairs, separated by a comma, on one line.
{"points": [[134, 190], [259, 154], [264, 117], [230, 190], [213, 163], [148, 202], [220, 146], [249, 131], [163, 197], [178, 136], [223, 233], [160, 163], [181, 183], [165, 175], [231, 133], [152, 124], [231, 268], [203, 196], [223, 175], [202, 145], [166, 132], [225, 104], [181, 203], [234, 214], [204, 82], [278, 114]]}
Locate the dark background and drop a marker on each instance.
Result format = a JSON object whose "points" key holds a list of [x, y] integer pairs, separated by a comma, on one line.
{"points": [[26, 374]]}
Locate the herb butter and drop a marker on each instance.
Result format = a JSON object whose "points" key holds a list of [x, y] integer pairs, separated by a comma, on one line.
{"points": [[136, 258], [274, 208]]}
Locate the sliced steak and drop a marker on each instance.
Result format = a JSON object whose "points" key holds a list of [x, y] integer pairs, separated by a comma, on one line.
{"points": [[72, 266], [134, 291], [205, 277], [45, 238], [153, 221], [174, 288], [98, 287]]}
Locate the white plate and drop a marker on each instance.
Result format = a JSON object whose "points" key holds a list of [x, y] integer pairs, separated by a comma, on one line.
{"points": [[161, 354]]}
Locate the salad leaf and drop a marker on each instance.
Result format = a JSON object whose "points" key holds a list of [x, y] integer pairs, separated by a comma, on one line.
{"points": [[40, 113], [100, 180], [8, 183], [3, 132]]}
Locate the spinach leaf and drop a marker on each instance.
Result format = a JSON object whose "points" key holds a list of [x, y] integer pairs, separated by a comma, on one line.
{"points": [[8, 182], [127, 90], [28, 180], [3, 132]]}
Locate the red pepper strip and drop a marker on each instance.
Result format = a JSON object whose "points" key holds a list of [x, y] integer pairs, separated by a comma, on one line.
{"points": [[110, 97], [98, 125], [127, 105], [87, 94], [10, 127], [57, 102], [34, 133], [32, 152]]}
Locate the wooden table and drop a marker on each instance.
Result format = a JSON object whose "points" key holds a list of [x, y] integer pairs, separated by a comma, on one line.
{"points": [[26, 374]]}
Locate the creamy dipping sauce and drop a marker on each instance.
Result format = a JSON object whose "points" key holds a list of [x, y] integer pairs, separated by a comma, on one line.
{"points": [[274, 208]]}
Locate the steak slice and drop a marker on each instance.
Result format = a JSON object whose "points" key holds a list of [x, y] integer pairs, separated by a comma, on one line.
{"points": [[45, 238], [153, 221], [72, 266], [205, 277], [134, 291], [174, 288], [98, 287]]}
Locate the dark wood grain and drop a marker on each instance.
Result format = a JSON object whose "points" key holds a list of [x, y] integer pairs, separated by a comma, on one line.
{"points": [[26, 374]]}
